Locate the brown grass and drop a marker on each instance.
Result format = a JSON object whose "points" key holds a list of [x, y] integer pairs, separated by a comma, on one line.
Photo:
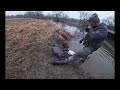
{"points": [[27, 49]]}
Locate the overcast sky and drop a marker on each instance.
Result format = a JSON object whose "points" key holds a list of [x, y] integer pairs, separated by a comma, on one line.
{"points": [[71, 14]]}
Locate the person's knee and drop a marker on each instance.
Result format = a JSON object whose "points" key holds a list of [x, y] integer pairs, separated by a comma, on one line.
{"points": [[87, 51], [71, 59], [79, 54]]}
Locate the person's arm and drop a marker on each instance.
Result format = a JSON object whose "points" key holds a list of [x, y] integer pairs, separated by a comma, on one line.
{"points": [[98, 34], [83, 39], [87, 35]]}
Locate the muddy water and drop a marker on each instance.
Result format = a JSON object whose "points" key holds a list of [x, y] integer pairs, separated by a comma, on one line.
{"points": [[100, 65]]}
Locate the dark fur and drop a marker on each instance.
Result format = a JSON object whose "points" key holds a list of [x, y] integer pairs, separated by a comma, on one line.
{"points": [[59, 51]]}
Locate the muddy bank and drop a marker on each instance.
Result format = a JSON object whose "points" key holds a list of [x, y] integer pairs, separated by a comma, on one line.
{"points": [[28, 51]]}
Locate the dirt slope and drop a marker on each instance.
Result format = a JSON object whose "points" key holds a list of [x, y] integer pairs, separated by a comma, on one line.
{"points": [[28, 53]]}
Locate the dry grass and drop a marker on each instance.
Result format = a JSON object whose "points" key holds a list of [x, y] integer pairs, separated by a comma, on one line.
{"points": [[27, 49]]}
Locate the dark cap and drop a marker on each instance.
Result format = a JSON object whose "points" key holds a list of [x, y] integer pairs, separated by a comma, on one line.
{"points": [[94, 18]]}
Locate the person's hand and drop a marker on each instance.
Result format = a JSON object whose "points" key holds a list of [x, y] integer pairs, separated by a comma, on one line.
{"points": [[87, 29], [81, 41]]}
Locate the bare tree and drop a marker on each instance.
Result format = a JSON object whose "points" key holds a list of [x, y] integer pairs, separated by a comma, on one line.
{"points": [[49, 16], [64, 16], [39, 15], [110, 21], [57, 15], [84, 16], [34, 14], [29, 14]]}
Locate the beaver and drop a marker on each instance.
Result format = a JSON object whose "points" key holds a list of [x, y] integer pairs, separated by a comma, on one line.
{"points": [[59, 51]]}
